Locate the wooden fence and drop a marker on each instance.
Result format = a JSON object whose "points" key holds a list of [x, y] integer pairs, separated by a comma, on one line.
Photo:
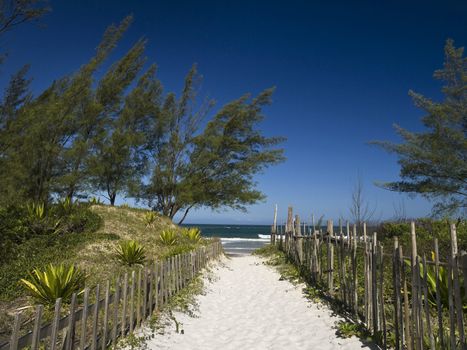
{"points": [[405, 302], [117, 309]]}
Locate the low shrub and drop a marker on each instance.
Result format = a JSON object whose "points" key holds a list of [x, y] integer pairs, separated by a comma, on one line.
{"points": [[130, 253], [193, 234], [150, 218], [168, 237], [80, 219], [56, 281], [426, 231]]}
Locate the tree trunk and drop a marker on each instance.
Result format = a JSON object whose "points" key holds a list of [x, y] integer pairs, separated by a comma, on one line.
{"points": [[185, 214], [112, 197]]}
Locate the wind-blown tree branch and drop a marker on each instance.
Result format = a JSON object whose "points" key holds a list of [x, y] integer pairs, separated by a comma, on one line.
{"points": [[16, 12], [434, 163], [214, 168], [91, 116], [37, 136], [169, 147], [120, 160]]}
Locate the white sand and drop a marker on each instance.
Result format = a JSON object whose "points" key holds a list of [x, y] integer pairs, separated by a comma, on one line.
{"points": [[248, 307]]}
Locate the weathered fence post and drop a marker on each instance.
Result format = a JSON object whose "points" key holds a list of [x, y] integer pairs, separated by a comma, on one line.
{"points": [[37, 327], [274, 227], [298, 241], [397, 296], [288, 230], [330, 256], [354, 272], [106, 316]]}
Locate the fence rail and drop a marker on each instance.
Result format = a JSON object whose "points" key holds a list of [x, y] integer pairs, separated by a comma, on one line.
{"points": [[117, 309], [405, 302]]}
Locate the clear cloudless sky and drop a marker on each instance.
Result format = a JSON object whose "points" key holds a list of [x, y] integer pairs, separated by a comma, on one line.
{"points": [[342, 70]]}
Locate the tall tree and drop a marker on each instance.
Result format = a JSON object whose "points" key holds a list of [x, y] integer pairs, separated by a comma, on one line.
{"points": [[434, 162], [170, 143], [212, 168], [119, 160], [39, 133]]}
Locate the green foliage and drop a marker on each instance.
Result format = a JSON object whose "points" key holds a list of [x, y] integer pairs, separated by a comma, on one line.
{"points": [[168, 237], [20, 223], [118, 162], [65, 206], [350, 329], [266, 250], [443, 284], [86, 134], [95, 201], [130, 253], [38, 221], [433, 162], [394, 229], [193, 234], [213, 167], [56, 281], [36, 211], [150, 218], [16, 12], [45, 141], [426, 230]]}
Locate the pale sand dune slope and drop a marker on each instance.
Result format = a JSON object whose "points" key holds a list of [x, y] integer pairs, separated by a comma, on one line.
{"points": [[248, 307]]}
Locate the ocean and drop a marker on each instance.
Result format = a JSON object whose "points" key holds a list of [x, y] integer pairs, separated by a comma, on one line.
{"points": [[237, 239]]}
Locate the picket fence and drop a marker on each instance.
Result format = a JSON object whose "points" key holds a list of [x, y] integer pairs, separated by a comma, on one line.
{"points": [[383, 290], [117, 310]]}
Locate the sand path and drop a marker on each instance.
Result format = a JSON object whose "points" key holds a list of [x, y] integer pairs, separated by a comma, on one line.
{"points": [[247, 307]]}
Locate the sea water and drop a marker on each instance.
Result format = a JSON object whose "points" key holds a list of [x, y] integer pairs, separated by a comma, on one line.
{"points": [[237, 239]]}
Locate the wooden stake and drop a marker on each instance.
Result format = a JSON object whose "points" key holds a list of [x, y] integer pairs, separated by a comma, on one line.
{"points": [[70, 338], [15, 331], [95, 319], [106, 316], [55, 324], [84, 318], [37, 327]]}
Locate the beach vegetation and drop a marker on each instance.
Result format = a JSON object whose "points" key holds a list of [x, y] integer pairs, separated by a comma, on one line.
{"points": [[55, 281], [150, 218], [347, 329], [214, 167], [432, 162], [92, 249], [130, 253], [442, 284], [168, 237], [120, 134], [193, 234]]}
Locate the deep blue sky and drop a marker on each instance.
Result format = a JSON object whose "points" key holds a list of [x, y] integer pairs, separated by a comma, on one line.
{"points": [[342, 72]]}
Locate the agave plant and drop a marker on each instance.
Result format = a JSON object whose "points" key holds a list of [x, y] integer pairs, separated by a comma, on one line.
{"points": [[66, 205], [193, 234], [39, 222], [95, 201], [150, 218], [130, 253], [443, 284], [36, 211], [168, 237], [56, 281]]}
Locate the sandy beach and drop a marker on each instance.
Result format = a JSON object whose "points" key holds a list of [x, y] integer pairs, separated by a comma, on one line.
{"points": [[246, 306]]}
